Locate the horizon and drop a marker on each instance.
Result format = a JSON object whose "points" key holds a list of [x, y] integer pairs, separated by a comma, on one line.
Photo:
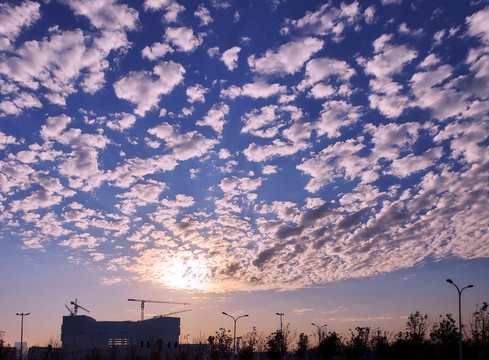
{"points": [[325, 160]]}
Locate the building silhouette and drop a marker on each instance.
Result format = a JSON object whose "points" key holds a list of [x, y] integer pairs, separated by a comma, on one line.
{"points": [[82, 336]]}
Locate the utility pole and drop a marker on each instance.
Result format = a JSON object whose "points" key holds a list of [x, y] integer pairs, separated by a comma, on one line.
{"points": [[21, 332]]}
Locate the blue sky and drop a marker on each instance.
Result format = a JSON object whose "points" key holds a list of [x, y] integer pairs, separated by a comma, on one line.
{"points": [[233, 153]]}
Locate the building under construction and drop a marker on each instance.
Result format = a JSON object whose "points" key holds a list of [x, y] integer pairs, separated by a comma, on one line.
{"points": [[82, 336]]}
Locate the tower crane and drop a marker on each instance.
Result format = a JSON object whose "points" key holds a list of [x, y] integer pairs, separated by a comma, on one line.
{"points": [[70, 310], [154, 301], [75, 304], [171, 313]]}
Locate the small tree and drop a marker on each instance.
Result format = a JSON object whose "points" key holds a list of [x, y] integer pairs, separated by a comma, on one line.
{"points": [[220, 346], [357, 345], [379, 343], [275, 345], [445, 334], [445, 331], [416, 327], [302, 345], [479, 328], [330, 346], [249, 344]]}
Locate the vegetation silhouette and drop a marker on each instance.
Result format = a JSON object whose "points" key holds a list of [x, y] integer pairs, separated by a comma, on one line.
{"points": [[423, 339]]}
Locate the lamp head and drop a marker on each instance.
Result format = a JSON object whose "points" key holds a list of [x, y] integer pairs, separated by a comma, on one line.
{"points": [[449, 281], [470, 286], [245, 315], [224, 313]]}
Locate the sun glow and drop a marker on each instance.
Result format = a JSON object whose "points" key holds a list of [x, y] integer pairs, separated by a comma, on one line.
{"points": [[184, 273]]}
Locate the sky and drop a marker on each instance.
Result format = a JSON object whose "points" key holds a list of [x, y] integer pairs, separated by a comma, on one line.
{"points": [[326, 160]]}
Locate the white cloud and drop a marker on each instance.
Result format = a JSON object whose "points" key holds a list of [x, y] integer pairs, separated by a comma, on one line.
{"points": [[322, 68], [83, 240], [171, 7], [478, 25], [411, 164], [429, 61], [14, 18], [288, 59], [55, 125], [389, 59], [204, 15], [213, 51], [369, 14], [183, 38], [106, 14], [263, 122], [215, 118], [58, 62], [20, 102], [278, 148], [321, 91], [444, 101], [196, 93], [224, 154], [6, 140], [328, 20], [337, 160], [156, 4], [140, 195], [230, 57], [140, 88], [269, 169], [391, 139], [335, 115], [184, 146], [121, 122], [156, 51], [259, 89]]}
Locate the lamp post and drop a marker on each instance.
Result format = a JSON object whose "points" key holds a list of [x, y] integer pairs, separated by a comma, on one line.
{"points": [[319, 331], [282, 345], [234, 337], [280, 314], [21, 331], [459, 315]]}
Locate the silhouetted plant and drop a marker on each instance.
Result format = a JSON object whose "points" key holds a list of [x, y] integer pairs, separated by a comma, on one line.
{"points": [[379, 343], [330, 346], [248, 345], [220, 346], [416, 327], [276, 345], [479, 330], [357, 344], [445, 335], [302, 346], [7, 352]]}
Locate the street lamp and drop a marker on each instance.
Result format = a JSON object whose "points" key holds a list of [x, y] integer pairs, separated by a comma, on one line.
{"points": [[280, 314], [234, 337], [459, 315], [319, 331], [21, 331]]}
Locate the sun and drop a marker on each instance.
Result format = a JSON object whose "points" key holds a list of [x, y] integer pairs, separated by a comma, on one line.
{"points": [[184, 273]]}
